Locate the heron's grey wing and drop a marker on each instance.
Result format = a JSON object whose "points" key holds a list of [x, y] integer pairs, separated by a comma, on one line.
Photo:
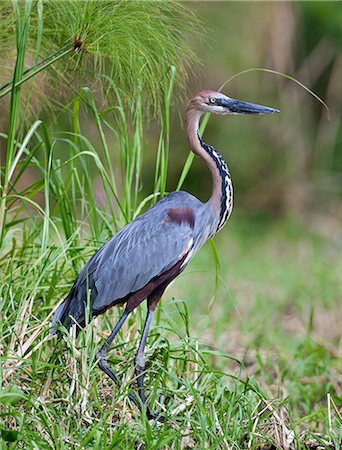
{"points": [[142, 250], [145, 248]]}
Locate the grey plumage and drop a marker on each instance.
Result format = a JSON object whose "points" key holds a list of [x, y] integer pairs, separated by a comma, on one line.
{"points": [[139, 252]]}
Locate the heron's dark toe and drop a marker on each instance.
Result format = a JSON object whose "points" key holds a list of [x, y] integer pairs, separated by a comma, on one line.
{"points": [[135, 399], [151, 415]]}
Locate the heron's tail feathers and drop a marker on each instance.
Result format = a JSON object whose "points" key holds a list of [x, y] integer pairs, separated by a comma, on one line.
{"points": [[62, 315]]}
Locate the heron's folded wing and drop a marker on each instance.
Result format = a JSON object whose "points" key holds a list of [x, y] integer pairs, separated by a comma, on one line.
{"points": [[142, 250]]}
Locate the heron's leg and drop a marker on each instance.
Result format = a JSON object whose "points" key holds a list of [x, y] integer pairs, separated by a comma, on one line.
{"points": [[139, 358], [101, 354]]}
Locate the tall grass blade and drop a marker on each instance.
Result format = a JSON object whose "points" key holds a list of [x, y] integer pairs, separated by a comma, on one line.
{"points": [[22, 25], [284, 75]]}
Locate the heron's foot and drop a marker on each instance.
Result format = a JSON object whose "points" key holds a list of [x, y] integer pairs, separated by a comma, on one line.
{"points": [[104, 366], [135, 399], [149, 414]]}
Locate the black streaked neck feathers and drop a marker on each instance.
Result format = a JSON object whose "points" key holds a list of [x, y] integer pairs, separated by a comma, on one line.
{"points": [[222, 192]]}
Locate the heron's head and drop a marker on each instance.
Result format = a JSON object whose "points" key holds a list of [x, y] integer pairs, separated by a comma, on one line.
{"points": [[218, 103]]}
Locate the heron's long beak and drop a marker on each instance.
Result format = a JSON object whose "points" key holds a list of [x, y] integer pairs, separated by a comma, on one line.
{"points": [[239, 107]]}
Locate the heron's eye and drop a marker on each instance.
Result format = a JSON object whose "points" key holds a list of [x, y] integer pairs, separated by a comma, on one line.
{"points": [[212, 100]]}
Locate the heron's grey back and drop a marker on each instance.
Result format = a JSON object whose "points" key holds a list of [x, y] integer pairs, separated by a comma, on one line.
{"points": [[141, 251]]}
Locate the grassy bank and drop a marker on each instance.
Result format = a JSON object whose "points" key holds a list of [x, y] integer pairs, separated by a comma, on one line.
{"points": [[248, 368]]}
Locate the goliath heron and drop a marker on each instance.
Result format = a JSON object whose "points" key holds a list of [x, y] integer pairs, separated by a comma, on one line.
{"points": [[141, 260]]}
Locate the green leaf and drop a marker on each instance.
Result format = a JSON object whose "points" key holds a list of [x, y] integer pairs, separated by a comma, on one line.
{"points": [[9, 435], [12, 395]]}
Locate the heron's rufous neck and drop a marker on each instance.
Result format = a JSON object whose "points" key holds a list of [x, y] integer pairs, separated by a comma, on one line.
{"points": [[222, 192]]}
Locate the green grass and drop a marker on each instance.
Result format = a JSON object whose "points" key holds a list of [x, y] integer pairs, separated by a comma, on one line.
{"points": [[234, 374]]}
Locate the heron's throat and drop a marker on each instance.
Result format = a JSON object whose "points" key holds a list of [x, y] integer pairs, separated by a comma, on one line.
{"points": [[222, 193]]}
